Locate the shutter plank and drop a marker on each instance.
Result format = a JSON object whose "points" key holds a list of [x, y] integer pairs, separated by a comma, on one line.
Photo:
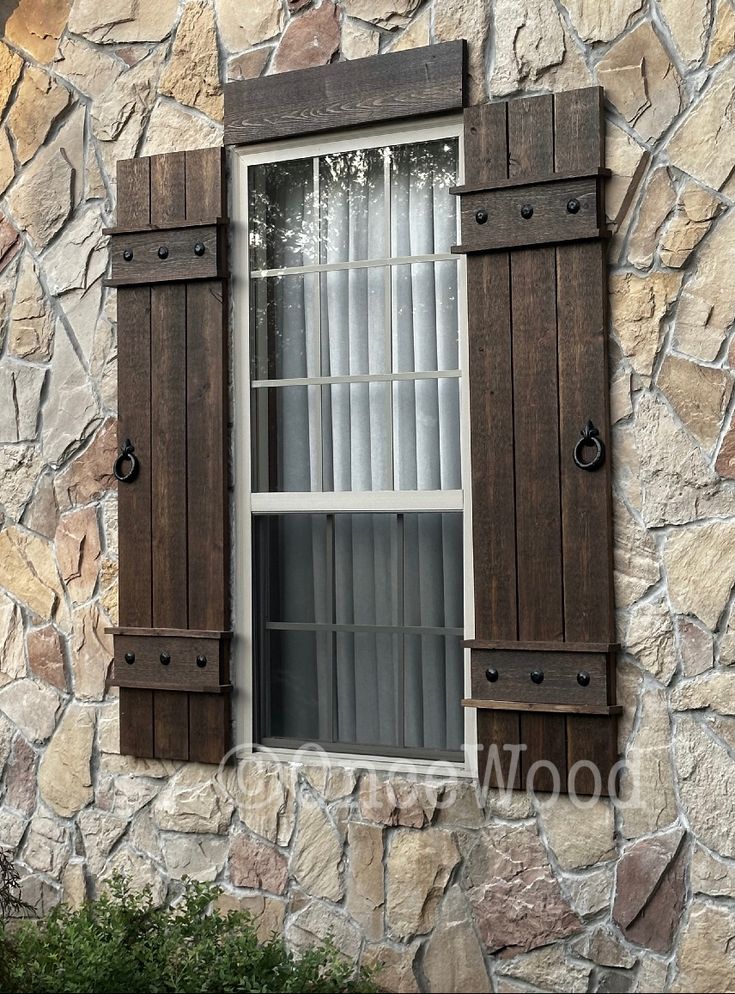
{"points": [[584, 395], [536, 433], [134, 500], [171, 724], [491, 409]]}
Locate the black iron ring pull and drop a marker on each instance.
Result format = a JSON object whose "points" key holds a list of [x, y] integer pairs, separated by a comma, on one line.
{"points": [[126, 455], [589, 436]]}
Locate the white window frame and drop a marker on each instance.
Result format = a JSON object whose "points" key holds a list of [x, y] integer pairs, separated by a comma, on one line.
{"points": [[248, 503]]}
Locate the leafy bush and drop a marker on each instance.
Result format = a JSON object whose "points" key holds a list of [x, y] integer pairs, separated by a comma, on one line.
{"points": [[122, 943], [10, 900]]}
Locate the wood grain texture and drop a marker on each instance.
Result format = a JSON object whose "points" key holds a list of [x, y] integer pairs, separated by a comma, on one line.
{"points": [[193, 663], [413, 83], [181, 262], [559, 669]]}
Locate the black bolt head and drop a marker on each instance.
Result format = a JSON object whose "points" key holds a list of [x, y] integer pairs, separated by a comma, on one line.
{"points": [[573, 206], [481, 217], [537, 676], [200, 248], [583, 678], [165, 658], [526, 211], [492, 675], [201, 662], [130, 658], [128, 255], [163, 252]]}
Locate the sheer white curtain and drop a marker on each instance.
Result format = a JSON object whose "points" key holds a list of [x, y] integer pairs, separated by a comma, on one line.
{"points": [[377, 569]]}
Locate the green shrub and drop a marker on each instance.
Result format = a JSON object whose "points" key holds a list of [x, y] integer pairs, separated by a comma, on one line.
{"points": [[122, 943], [10, 900]]}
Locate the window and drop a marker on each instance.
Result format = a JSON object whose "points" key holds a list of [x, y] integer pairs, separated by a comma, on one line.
{"points": [[355, 426]]}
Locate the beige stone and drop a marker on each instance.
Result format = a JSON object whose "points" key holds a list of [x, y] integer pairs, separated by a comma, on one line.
{"points": [[677, 481], [332, 782], [657, 202], [11, 65], [650, 638], [268, 912], [641, 81], [461, 805], [100, 831], [696, 209], [700, 564], [249, 65], [10, 246], [706, 955], [78, 258], [316, 856], [595, 21], [89, 476], [707, 308], [696, 647], [39, 102], [591, 892], [89, 68], [416, 35], [395, 801], [35, 25], [78, 552], [699, 395], [394, 965], [19, 466], [139, 872], [109, 588], [470, 19], [192, 76], [91, 652], [365, 884], [243, 25], [28, 571], [12, 829], [114, 21], [723, 33], [71, 413], [714, 690], [266, 800], [579, 837], [689, 26], [31, 331], [386, 13], [42, 198], [74, 884], [19, 418], [418, 868], [638, 308], [193, 801], [629, 686], [310, 40], [636, 564], [257, 865], [627, 161], [358, 40], [453, 958], [12, 656], [703, 144], [648, 799], [711, 876], [46, 656], [64, 775], [174, 129], [316, 923], [196, 857], [604, 947], [46, 847], [547, 969], [705, 772], [7, 161]]}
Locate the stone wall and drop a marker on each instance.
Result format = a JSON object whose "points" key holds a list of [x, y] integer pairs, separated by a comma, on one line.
{"points": [[516, 896]]}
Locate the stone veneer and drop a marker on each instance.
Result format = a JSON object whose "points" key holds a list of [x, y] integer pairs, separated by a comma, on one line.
{"points": [[451, 896]]}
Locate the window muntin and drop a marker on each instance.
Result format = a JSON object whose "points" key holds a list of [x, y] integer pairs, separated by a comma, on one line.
{"points": [[355, 391]]}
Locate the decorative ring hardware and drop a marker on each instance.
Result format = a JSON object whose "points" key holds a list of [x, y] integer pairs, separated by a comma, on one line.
{"points": [[526, 212], [583, 678], [481, 217], [589, 436], [537, 676], [163, 252], [126, 455], [165, 658], [573, 206], [201, 662], [128, 255], [130, 658], [492, 675]]}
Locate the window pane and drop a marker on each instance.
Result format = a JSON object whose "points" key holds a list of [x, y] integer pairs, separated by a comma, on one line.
{"points": [[297, 692], [284, 327], [352, 204], [426, 435], [368, 677], [425, 317], [282, 222], [286, 439], [423, 211], [433, 692], [292, 569], [366, 569], [355, 338], [357, 436], [433, 570]]}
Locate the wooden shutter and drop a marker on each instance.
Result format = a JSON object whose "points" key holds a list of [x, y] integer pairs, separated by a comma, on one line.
{"points": [[533, 230], [172, 643]]}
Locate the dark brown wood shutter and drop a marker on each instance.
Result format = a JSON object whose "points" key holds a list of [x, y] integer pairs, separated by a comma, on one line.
{"points": [[533, 228], [172, 643]]}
